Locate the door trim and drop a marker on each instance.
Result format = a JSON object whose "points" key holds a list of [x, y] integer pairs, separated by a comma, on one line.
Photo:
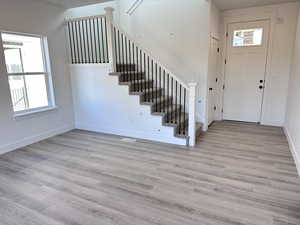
{"points": [[217, 91], [225, 59]]}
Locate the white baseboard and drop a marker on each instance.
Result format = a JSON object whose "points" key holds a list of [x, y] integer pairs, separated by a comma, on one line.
{"points": [[293, 149], [132, 134], [33, 139]]}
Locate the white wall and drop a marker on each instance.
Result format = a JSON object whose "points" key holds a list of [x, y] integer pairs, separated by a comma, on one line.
{"points": [[178, 41], [177, 33], [102, 105], [215, 21], [292, 125], [91, 10], [35, 17], [283, 19], [213, 73]]}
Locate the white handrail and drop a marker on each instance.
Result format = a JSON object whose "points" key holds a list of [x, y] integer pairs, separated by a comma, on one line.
{"points": [[84, 18], [151, 56]]}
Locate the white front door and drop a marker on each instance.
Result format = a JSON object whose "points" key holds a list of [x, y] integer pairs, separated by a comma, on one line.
{"points": [[247, 51], [212, 79]]}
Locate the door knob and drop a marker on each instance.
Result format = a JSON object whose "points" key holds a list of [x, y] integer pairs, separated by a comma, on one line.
{"points": [[261, 87], [261, 81], [210, 89]]}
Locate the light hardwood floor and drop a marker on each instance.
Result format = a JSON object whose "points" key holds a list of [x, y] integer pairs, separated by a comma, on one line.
{"points": [[238, 174]]}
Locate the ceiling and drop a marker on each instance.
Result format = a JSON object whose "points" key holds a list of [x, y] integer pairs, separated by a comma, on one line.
{"points": [[74, 3], [222, 4], [235, 4]]}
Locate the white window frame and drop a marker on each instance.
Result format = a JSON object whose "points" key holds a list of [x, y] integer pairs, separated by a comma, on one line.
{"points": [[48, 74]]}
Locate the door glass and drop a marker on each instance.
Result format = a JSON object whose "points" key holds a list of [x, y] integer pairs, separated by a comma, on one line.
{"points": [[248, 37]]}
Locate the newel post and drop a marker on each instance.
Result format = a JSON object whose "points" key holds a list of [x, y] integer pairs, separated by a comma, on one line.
{"points": [[110, 38], [192, 114]]}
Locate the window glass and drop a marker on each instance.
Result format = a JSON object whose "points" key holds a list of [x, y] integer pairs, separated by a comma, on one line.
{"points": [[13, 60], [18, 93], [249, 37], [28, 81], [30, 52], [36, 91]]}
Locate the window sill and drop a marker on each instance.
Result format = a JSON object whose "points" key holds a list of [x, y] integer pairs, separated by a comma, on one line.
{"points": [[34, 112]]}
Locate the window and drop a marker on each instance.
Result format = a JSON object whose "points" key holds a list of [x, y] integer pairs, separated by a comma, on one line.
{"points": [[249, 37], [28, 76]]}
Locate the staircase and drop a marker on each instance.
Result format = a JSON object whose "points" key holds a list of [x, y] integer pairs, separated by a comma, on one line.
{"points": [[99, 40], [151, 93]]}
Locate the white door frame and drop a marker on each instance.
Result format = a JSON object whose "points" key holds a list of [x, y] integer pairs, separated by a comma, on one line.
{"points": [[217, 91], [225, 56]]}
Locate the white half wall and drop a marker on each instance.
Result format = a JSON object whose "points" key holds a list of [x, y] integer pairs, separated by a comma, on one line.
{"points": [[283, 19], [292, 124], [35, 17], [102, 105]]}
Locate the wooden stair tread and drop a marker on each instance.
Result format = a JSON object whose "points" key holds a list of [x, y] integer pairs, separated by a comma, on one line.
{"points": [[145, 91], [160, 100], [180, 119], [168, 109], [138, 83]]}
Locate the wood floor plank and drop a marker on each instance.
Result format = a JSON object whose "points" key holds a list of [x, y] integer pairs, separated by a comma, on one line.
{"points": [[238, 174]]}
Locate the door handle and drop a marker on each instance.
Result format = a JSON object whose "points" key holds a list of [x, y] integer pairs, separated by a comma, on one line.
{"points": [[210, 89]]}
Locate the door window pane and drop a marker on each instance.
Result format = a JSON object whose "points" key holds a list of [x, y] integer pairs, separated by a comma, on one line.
{"points": [[249, 37]]}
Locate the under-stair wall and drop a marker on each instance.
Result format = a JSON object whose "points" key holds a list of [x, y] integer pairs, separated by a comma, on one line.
{"points": [[102, 105]]}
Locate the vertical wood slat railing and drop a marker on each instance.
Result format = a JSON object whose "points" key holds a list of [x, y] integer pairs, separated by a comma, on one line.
{"points": [[88, 40], [129, 54], [98, 40]]}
